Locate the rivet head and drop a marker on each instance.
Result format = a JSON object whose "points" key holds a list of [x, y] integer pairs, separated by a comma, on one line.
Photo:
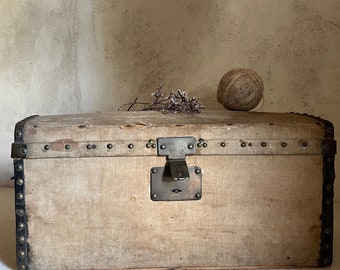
{"points": [[201, 140], [22, 267], [328, 231], [109, 146], [190, 146], [326, 262], [329, 159], [20, 196], [325, 147], [199, 144], [67, 147], [198, 196], [303, 144], [243, 144], [148, 145], [328, 201], [205, 144], [23, 151], [18, 134], [154, 196], [327, 247], [222, 144], [328, 188], [198, 171], [283, 144], [162, 146], [88, 146], [130, 146], [20, 182], [153, 145], [21, 226], [20, 212], [21, 254], [263, 144], [329, 131], [21, 239], [154, 170], [47, 147], [19, 167]]}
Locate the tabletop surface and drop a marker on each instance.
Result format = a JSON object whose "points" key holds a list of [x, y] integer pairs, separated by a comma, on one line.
{"points": [[7, 233]]}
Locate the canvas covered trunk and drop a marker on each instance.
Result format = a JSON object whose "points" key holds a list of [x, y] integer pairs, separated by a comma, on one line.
{"points": [[150, 190]]}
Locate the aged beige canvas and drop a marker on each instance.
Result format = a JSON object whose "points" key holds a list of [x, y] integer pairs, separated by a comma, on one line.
{"points": [[257, 192]]}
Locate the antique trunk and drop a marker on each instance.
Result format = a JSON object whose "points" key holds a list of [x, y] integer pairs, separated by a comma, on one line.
{"points": [[216, 189]]}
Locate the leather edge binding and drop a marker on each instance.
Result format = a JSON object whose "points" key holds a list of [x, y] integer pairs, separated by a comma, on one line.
{"points": [[328, 147], [18, 154]]}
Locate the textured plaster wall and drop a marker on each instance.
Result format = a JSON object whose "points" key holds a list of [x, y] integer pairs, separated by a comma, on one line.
{"points": [[61, 57]]}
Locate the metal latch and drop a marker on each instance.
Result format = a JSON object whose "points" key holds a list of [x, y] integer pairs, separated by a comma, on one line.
{"points": [[176, 181]]}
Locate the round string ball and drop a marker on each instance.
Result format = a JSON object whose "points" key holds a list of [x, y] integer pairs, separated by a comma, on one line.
{"points": [[240, 89]]}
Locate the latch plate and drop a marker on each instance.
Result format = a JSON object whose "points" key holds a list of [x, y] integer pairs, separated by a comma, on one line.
{"points": [[176, 181], [164, 188]]}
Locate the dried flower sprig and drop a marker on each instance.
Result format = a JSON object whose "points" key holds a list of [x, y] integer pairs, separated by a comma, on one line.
{"points": [[176, 101]]}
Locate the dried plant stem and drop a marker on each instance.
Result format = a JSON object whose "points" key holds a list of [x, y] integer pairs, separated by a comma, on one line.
{"points": [[176, 101]]}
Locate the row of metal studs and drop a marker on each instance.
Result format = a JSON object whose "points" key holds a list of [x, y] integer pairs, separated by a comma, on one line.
{"points": [[21, 218], [201, 143]]}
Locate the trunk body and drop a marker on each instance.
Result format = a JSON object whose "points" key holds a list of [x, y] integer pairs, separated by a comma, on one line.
{"points": [[149, 190]]}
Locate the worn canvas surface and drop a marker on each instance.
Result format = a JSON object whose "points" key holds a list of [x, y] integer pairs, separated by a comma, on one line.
{"points": [[96, 213]]}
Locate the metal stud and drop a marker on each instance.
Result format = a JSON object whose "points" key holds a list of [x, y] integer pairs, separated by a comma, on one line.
{"points": [[67, 147], [154, 170], [109, 146], [328, 188], [163, 146], [190, 146], [205, 144], [21, 254], [22, 267], [328, 231], [222, 144], [23, 151], [20, 182], [21, 239], [325, 146], [148, 145], [243, 144], [199, 144], [47, 147], [19, 167], [130, 146], [20, 212], [21, 226], [263, 144], [198, 171], [154, 196], [20, 196], [329, 159], [283, 144], [329, 131], [303, 144], [88, 146], [18, 134], [198, 196], [153, 145]]}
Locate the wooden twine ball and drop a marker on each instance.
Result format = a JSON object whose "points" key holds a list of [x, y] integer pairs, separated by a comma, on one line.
{"points": [[240, 89]]}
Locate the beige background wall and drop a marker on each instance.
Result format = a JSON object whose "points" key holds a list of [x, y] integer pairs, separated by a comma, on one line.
{"points": [[61, 57]]}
